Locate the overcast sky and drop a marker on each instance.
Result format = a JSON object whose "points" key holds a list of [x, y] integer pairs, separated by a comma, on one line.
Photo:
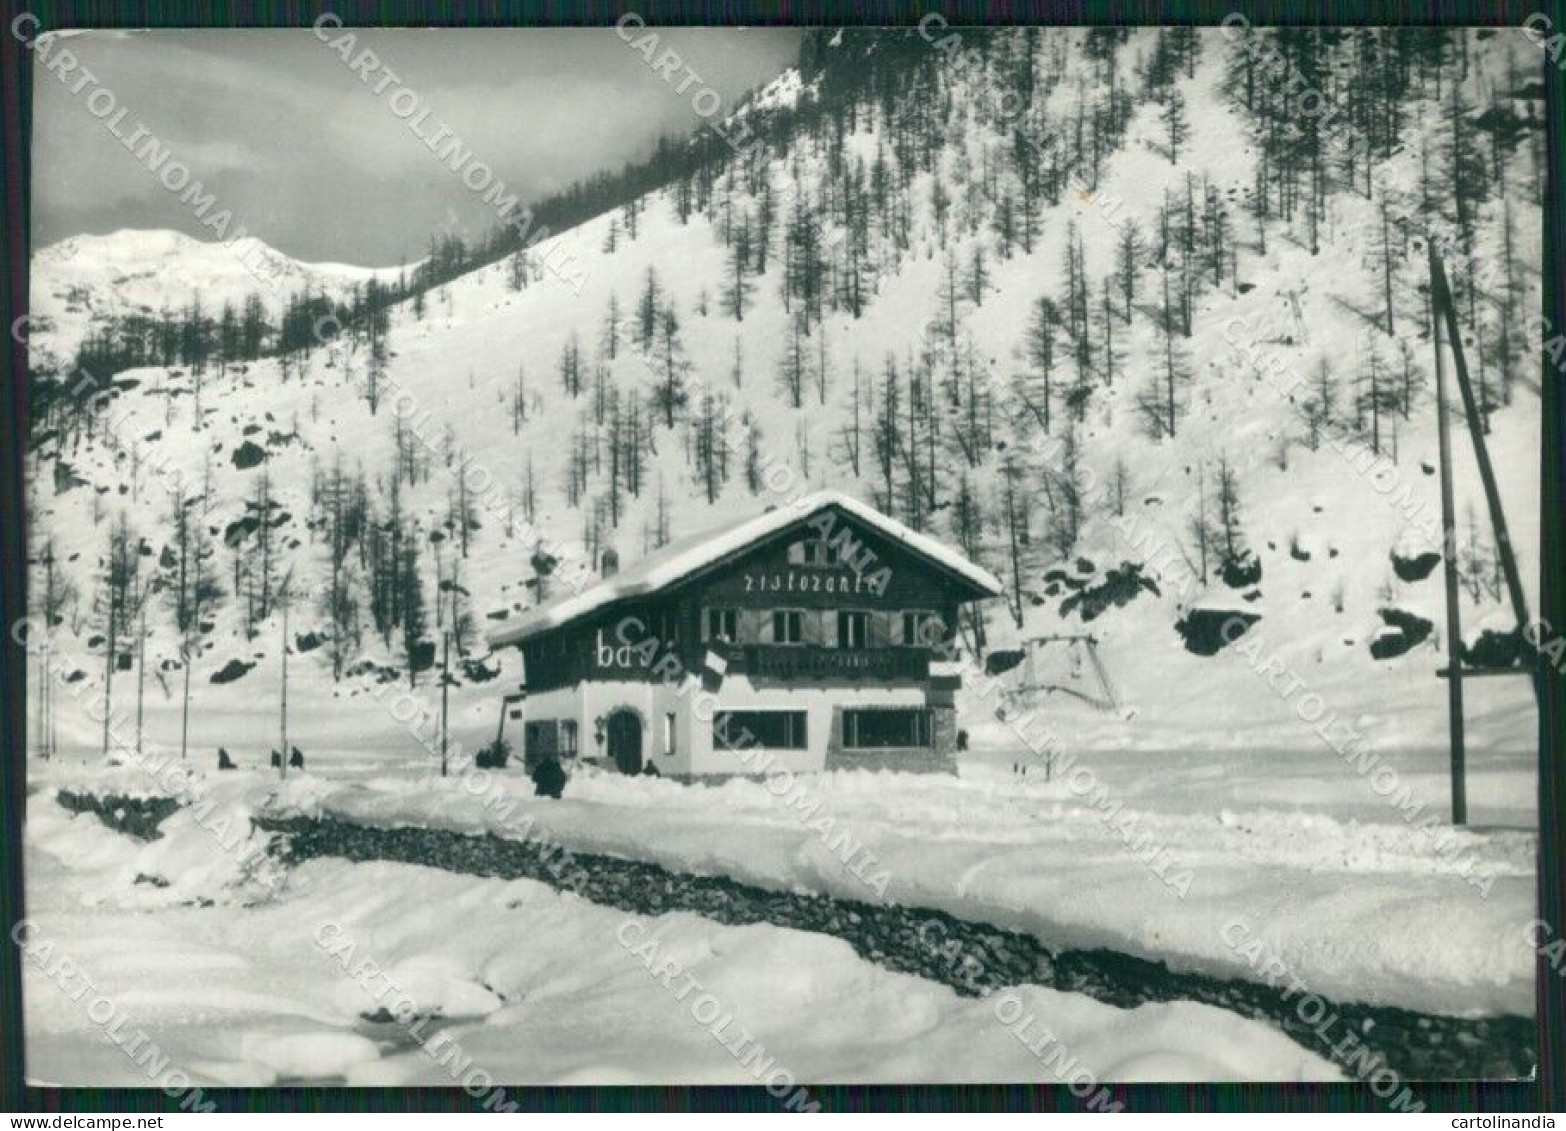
{"points": [[312, 161]]}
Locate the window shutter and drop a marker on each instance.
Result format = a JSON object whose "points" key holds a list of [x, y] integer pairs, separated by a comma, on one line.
{"points": [[765, 635], [813, 630], [883, 626]]}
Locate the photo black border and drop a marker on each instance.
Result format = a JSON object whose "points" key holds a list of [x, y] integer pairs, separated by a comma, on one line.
{"points": [[1545, 1093]]}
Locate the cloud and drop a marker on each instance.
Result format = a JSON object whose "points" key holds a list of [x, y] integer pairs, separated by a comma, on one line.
{"points": [[313, 161], [45, 39], [212, 157]]}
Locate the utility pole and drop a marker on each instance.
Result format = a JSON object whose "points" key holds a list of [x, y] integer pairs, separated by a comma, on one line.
{"points": [[285, 599], [113, 643], [184, 718], [41, 741], [46, 669], [1443, 313], [141, 660], [1454, 630], [445, 688]]}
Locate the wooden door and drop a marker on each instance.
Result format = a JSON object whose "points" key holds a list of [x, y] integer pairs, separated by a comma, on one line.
{"points": [[625, 742]]}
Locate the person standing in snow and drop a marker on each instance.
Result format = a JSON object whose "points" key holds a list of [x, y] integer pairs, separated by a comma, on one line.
{"points": [[548, 778]]}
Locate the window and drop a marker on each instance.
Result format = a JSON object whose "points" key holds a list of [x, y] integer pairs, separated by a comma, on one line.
{"points": [[853, 630], [668, 735], [550, 738], [922, 629], [539, 739], [888, 726], [669, 629], [788, 626], [771, 730], [722, 624]]}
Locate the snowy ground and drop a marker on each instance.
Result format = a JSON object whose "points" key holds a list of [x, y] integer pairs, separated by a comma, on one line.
{"points": [[1356, 903], [536, 986]]}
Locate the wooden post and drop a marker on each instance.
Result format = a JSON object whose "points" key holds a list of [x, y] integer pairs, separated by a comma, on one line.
{"points": [[46, 667], [283, 752], [445, 686], [39, 740], [285, 598], [1454, 629], [184, 716], [141, 665], [45, 723], [108, 670]]}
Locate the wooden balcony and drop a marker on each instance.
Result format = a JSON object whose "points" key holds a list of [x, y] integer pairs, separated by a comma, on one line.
{"points": [[813, 662]]}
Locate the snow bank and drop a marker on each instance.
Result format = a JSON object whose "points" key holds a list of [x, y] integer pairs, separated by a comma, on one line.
{"points": [[1040, 858], [539, 987], [207, 850]]}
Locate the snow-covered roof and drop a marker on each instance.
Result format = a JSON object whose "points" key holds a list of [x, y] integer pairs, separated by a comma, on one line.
{"points": [[683, 557]]}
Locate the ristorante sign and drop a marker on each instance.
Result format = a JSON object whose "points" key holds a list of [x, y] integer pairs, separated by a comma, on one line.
{"points": [[801, 581]]}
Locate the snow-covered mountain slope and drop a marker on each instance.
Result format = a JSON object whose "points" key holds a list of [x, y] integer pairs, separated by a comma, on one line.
{"points": [[85, 283], [908, 242]]}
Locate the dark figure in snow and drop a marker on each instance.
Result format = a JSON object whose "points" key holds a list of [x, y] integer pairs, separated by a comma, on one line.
{"points": [[962, 740], [295, 759], [277, 759], [548, 778], [650, 771], [224, 761]]}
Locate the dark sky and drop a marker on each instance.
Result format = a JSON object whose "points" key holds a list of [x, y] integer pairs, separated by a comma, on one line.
{"points": [[312, 161]]}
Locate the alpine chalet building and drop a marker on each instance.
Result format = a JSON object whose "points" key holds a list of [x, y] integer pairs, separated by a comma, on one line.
{"points": [[815, 633]]}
